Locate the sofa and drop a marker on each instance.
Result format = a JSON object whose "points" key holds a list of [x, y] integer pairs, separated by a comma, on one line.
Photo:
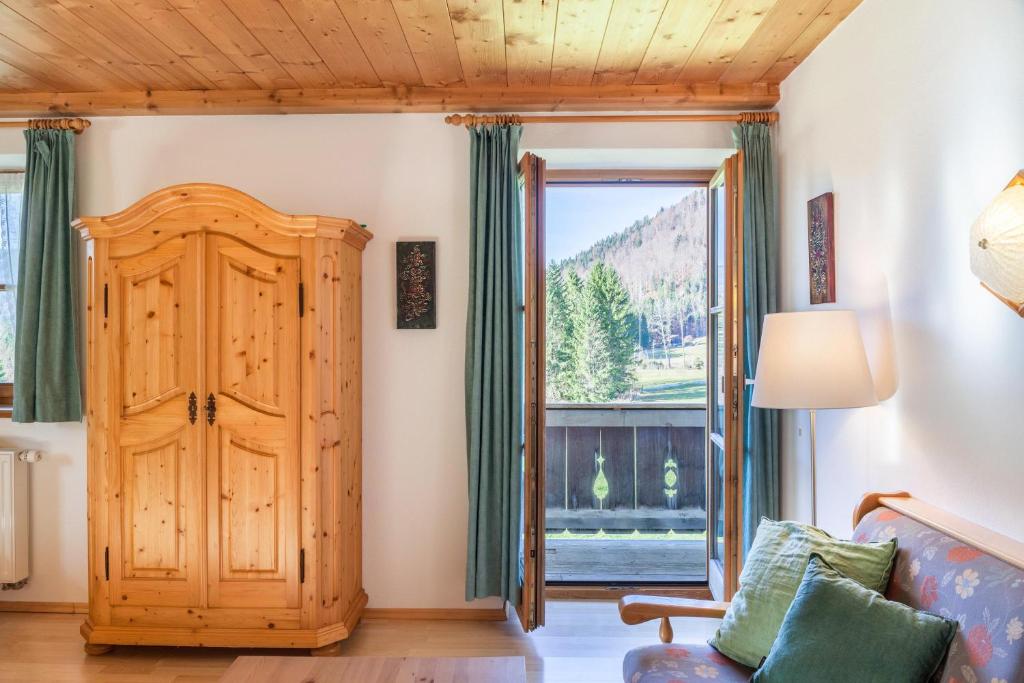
{"points": [[944, 564]]}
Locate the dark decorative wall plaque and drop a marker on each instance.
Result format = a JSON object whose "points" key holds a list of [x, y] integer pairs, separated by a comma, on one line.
{"points": [[416, 269], [821, 250]]}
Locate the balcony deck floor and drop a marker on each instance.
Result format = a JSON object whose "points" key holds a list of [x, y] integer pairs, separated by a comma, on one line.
{"points": [[621, 561]]}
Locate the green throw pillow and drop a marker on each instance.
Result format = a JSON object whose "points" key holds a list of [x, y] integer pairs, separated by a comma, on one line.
{"points": [[840, 631], [771, 575]]}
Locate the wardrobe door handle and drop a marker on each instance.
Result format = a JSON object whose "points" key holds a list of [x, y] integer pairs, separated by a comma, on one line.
{"points": [[211, 409], [193, 407]]}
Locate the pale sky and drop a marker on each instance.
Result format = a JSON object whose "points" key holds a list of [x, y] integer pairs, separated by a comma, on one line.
{"points": [[579, 216]]}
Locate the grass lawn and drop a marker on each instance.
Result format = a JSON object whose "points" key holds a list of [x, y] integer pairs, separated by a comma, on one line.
{"points": [[681, 383]]}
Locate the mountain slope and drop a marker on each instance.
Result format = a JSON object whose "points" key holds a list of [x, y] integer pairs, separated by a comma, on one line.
{"points": [[667, 251]]}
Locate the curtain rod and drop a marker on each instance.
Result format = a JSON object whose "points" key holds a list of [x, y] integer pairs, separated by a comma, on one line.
{"points": [[76, 124], [484, 119]]}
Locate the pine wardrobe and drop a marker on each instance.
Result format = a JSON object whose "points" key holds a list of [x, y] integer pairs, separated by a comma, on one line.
{"points": [[224, 413]]}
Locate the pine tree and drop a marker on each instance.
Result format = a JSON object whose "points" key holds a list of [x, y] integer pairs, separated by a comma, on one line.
{"points": [[575, 334], [592, 352], [561, 375], [618, 321], [603, 338]]}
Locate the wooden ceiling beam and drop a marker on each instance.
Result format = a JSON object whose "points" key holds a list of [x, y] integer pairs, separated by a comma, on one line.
{"points": [[395, 99]]}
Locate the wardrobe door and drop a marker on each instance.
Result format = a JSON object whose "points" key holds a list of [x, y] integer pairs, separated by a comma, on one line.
{"points": [[252, 410], [154, 465]]}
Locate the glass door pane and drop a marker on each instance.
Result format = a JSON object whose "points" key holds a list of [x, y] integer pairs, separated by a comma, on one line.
{"points": [[626, 332], [724, 303]]}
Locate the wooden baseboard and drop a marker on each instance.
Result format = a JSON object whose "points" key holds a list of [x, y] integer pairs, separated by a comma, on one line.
{"points": [[434, 614], [45, 607], [616, 592], [424, 614]]}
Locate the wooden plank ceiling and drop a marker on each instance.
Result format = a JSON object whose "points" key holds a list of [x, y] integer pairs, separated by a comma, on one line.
{"points": [[96, 57]]}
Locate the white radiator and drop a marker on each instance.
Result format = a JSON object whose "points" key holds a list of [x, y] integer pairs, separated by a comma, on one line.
{"points": [[13, 517]]}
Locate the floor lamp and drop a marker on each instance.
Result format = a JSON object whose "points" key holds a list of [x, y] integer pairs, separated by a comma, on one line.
{"points": [[812, 361]]}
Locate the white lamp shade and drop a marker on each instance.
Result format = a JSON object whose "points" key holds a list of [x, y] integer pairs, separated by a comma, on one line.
{"points": [[813, 360], [997, 244]]}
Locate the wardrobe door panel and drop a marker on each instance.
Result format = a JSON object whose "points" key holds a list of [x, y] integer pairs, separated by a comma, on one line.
{"points": [[252, 369], [153, 312]]}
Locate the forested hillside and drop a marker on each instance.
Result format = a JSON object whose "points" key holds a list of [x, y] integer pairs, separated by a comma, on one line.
{"points": [[626, 305]]}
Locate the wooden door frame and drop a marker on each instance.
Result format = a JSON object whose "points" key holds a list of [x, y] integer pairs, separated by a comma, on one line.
{"points": [[531, 602], [611, 177], [724, 580]]}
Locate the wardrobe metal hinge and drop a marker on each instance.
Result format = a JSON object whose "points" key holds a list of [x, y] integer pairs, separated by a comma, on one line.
{"points": [[211, 409], [302, 565], [302, 299], [106, 562], [105, 300]]}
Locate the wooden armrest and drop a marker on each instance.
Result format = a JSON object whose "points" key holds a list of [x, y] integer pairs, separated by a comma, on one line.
{"points": [[636, 609]]}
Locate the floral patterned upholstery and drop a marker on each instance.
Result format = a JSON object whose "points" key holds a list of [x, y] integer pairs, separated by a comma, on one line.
{"points": [[940, 574], [681, 663]]}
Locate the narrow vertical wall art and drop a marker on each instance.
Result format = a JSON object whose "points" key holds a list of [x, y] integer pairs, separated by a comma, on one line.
{"points": [[416, 268], [821, 250]]}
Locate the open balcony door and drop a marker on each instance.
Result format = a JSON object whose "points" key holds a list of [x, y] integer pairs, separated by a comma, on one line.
{"points": [[531, 601], [725, 378]]}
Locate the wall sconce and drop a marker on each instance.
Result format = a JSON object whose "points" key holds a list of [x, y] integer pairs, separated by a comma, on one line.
{"points": [[997, 246]]}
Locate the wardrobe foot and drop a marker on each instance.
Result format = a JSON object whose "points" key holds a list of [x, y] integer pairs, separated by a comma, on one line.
{"points": [[332, 650]]}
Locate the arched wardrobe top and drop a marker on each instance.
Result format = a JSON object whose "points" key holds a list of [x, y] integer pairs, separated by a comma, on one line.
{"points": [[218, 208]]}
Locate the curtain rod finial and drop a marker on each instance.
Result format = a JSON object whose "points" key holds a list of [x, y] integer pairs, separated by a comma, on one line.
{"points": [[459, 119], [759, 117], [76, 124]]}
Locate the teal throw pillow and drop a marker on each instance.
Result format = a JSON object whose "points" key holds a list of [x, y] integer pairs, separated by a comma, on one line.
{"points": [[839, 631]]}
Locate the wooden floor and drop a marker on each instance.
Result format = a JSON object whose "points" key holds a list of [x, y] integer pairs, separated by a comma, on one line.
{"points": [[583, 642]]}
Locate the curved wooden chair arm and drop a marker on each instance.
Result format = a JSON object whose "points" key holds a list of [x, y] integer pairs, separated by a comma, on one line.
{"points": [[636, 609]]}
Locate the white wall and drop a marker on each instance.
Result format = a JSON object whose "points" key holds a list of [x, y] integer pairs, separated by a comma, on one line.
{"points": [[911, 112], [406, 176]]}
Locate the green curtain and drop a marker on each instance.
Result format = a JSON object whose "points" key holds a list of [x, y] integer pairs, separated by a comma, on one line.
{"points": [[494, 365], [760, 287], [46, 372]]}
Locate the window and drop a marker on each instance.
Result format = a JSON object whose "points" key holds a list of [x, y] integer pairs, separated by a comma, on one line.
{"points": [[626, 356], [11, 184], [626, 284]]}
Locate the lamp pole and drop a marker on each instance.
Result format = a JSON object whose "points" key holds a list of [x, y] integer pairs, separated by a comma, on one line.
{"points": [[814, 479]]}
